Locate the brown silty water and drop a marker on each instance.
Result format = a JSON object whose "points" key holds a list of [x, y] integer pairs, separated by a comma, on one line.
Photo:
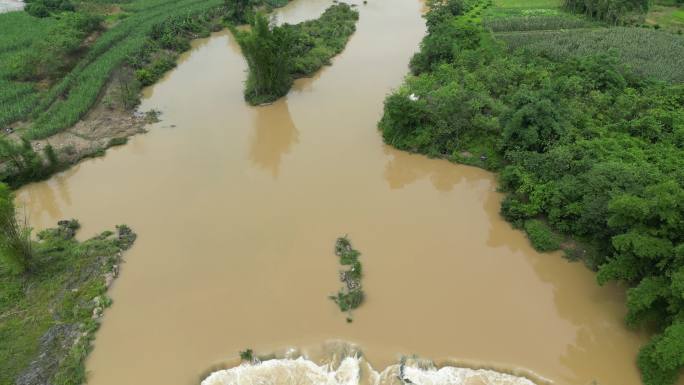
{"points": [[237, 209]]}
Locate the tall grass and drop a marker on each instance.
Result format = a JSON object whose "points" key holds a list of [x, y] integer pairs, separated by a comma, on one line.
{"points": [[15, 240], [650, 53]]}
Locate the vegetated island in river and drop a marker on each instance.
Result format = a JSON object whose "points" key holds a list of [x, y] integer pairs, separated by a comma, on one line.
{"points": [[71, 72], [588, 142], [277, 55], [52, 294], [351, 295]]}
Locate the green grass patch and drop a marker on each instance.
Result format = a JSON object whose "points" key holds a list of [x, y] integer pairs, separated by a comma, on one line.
{"points": [[53, 305]]}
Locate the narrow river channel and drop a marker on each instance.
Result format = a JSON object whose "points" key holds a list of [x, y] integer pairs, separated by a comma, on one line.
{"points": [[237, 210]]}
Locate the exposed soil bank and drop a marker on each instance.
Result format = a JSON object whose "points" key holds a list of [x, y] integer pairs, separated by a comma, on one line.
{"points": [[237, 208]]}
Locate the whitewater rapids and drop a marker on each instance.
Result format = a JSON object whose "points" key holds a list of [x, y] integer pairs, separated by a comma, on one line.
{"points": [[354, 371]]}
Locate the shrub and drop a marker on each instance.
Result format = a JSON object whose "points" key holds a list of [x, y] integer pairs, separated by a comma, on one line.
{"points": [[37, 10], [117, 141], [541, 236], [43, 8], [247, 355], [443, 45]]}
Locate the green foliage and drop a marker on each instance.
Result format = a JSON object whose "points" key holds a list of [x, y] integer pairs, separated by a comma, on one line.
{"points": [[66, 278], [276, 55], [44, 8], [349, 300], [590, 147], [247, 355], [266, 49], [541, 236], [662, 357], [238, 11], [21, 164], [443, 45]]}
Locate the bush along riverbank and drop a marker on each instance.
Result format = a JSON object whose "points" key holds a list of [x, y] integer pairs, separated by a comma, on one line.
{"points": [[72, 81], [52, 294], [589, 145], [277, 55], [351, 296]]}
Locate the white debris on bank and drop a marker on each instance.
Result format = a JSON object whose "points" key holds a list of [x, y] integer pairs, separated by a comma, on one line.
{"points": [[413, 97], [11, 5]]}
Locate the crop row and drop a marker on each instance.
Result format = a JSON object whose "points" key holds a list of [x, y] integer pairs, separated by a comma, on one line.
{"points": [[650, 53], [535, 23]]}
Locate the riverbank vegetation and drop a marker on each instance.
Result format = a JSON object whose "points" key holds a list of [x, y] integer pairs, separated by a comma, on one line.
{"points": [[277, 55], [586, 133], [49, 308], [16, 251], [53, 73], [351, 296]]}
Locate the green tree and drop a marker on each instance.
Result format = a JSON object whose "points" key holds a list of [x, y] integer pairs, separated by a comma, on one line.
{"points": [[266, 48]]}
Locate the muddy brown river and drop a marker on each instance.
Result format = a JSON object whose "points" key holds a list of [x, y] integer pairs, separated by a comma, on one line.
{"points": [[237, 209]]}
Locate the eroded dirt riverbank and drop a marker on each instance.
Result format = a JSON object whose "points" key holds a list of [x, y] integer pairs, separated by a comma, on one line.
{"points": [[237, 208]]}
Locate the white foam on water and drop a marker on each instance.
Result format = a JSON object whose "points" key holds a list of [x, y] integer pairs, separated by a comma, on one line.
{"points": [[301, 371], [450, 375]]}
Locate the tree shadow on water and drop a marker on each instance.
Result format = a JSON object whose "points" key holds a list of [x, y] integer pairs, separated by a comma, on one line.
{"points": [[403, 169], [273, 136]]}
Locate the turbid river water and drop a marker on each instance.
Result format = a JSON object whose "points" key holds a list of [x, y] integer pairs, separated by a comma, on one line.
{"points": [[237, 210]]}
